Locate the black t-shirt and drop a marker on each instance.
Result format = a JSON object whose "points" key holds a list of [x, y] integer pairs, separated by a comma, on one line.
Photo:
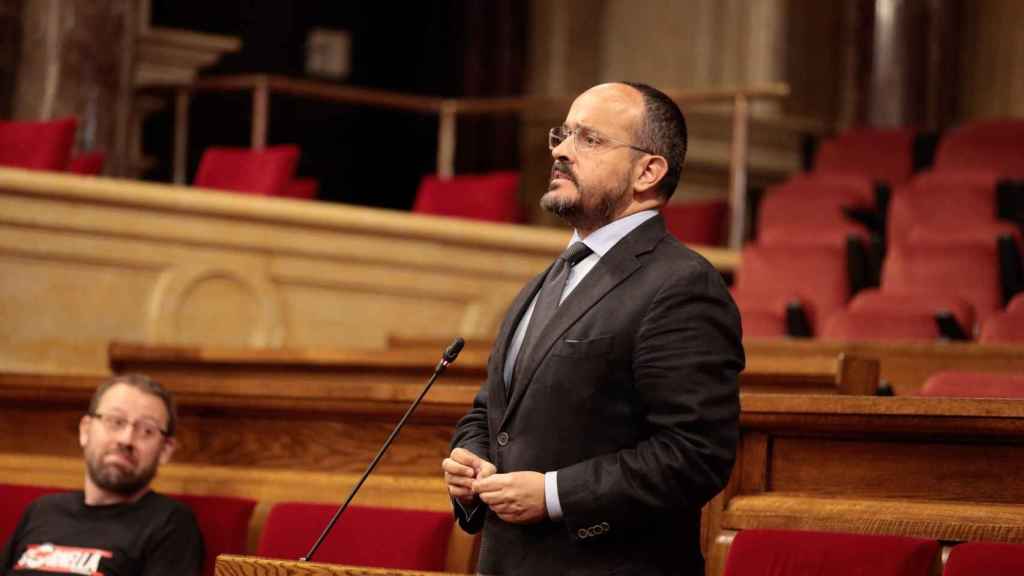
{"points": [[60, 534]]}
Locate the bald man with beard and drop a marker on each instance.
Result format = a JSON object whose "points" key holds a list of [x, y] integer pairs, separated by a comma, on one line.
{"points": [[610, 411]]}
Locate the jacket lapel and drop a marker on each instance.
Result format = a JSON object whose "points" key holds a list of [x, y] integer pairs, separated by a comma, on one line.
{"points": [[497, 397], [611, 270]]}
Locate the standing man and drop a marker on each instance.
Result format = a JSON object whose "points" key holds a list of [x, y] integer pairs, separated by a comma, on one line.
{"points": [[609, 414], [117, 525]]}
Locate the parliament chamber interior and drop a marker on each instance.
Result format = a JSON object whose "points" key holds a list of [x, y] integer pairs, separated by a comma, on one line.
{"points": [[283, 212]]}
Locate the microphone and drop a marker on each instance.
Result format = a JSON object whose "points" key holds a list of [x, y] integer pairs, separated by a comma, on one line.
{"points": [[449, 356]]}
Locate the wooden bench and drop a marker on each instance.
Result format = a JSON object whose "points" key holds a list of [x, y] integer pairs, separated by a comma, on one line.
{"points": [[945, 469], [903, 365]]}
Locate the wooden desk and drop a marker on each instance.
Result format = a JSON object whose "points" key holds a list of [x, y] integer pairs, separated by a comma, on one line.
{"points": [[946, 469], [904, 365]]}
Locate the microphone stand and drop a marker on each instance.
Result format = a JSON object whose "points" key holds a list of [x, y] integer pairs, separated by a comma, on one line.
{"points": [[449, 356]]}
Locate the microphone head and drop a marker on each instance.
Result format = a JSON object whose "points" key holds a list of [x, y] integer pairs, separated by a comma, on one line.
{"points": [[453, 350]]}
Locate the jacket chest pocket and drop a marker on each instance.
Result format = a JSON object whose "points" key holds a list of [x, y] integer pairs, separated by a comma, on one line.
{"points": [[589, 348]]}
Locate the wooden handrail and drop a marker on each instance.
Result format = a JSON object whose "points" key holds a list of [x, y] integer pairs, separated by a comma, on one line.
{"points": [[448, 110]]}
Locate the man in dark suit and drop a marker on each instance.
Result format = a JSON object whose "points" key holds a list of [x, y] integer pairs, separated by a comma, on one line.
{"points": [[609, 415]]}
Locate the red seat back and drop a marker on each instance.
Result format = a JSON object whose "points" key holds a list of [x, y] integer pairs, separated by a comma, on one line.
{"points": [[493, 196], [885, 155], [796, 553], [815, 275], [303, 188], [223, 521], [700, 222], [946, 201], [992, 145], [967, 272], [15, 498], [973, 385], [37, 145], [985, 559], [264, 172], [812, 200], [364, 536]]}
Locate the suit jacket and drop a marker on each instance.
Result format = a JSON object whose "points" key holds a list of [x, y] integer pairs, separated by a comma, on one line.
{"points": [[630, 394]]}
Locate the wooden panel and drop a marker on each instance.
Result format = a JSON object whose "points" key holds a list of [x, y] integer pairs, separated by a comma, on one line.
{"points": [[100, 259], [228, 565], [895, 469], [939, 468], [905, 366]]}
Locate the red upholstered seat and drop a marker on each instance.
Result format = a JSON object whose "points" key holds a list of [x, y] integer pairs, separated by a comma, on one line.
{"points": [[947, 201], [88, 163], [813, 200], [302, 188], [223, 521], [796, 553], [700, 222], [992, 145], [493, 196], [967, 272], [958, 384], [895, 304], [37, 145], [814, 275], [264, 172], [882, 155], [985, 559], [1016, 305], [763, 314], [364, 536], [14, 499], [835, 235], [1003, 328], [860, 326]]}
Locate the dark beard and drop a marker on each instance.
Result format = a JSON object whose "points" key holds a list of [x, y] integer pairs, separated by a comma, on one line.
{"points": [[573, 211], [113, 480]]}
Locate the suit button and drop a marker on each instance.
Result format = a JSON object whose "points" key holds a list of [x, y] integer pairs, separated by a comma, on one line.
{"points": [[582, 533], [502, 438]]}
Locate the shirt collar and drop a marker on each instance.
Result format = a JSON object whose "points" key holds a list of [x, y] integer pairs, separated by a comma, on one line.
{"points": [[604, 238]]}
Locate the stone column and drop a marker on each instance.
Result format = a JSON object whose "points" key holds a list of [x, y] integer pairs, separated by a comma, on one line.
{"points": [[75, 60]]}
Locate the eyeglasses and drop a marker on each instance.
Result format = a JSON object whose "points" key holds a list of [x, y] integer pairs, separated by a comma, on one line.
{"points": [[114, 424], [586, 139]]}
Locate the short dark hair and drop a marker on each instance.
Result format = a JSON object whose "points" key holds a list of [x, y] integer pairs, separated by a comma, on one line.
{"points": [[144, 384], [663, 132]]}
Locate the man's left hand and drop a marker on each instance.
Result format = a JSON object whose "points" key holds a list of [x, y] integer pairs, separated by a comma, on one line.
{"points": [[516, 497]]}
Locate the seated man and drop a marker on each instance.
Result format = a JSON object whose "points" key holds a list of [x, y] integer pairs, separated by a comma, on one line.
{"points": [[117, 525]]}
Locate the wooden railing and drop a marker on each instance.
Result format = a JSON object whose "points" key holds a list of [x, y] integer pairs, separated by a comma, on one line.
{"points": [[448, 110]]}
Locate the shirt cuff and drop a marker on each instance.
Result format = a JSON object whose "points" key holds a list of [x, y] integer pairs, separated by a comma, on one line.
{"points": [[551, 501]]}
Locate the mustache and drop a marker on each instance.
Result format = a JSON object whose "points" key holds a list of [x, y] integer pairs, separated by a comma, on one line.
{"points": [[564, 168]]}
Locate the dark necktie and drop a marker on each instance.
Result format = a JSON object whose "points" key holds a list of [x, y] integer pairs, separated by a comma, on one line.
{"points": [[548, 298]]}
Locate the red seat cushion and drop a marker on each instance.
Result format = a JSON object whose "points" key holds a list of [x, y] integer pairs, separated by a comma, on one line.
{"points": [[303, 188], [493, 196], [985, 559], [224, 523], [914, 303], [964, 271], [700, 222], [958, 384], [88, 164], [879, 326], [994, 145], [15, 499], [37, 145], [264, 172], [364, 536], [1003, 328], [795, 553]]}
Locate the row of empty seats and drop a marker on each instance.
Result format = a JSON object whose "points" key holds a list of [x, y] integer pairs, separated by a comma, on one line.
{"points": [[798, 553], [834, 258], [365, 536], [47, 146]]}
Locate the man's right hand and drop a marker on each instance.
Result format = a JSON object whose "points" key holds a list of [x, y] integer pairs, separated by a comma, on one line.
{"points": [[461, 468]]}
